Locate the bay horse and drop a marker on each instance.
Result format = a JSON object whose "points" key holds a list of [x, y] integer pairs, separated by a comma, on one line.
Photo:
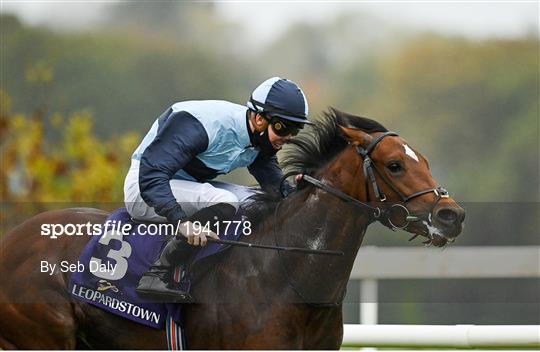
{"points": [[356, 173]]}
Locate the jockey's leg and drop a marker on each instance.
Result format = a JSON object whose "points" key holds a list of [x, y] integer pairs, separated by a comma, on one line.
{"points": [[157, 283], [192, 196]]}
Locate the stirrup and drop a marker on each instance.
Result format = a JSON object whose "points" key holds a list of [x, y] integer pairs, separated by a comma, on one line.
{"points": [[152, 287]]}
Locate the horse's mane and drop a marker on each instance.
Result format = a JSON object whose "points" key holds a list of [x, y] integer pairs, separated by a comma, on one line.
{"points": [[316, 146]]}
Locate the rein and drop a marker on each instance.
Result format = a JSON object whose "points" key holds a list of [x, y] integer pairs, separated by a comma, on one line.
{"points": [[278, 248], [341, 195]]}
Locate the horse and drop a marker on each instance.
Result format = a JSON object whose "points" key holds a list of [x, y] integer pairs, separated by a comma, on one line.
{"points": [[355, 173]]}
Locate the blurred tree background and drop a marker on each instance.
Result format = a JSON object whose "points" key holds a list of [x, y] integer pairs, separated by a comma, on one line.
{"points": [[74, 106]]}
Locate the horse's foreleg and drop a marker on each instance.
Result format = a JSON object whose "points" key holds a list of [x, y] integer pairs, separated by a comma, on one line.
{"points": [[324, 330]]}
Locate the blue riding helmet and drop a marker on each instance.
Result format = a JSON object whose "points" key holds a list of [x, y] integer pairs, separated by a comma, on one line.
{"points": [[281, 98]]}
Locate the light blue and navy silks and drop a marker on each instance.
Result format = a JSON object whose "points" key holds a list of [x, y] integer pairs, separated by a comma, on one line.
{"points": [[131, 255], [197, 141]]}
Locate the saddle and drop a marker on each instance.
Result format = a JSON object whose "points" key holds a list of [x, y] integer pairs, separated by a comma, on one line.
{"points": [[114, 260]]}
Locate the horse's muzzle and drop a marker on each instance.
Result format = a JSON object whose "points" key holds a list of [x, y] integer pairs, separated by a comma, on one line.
{"points": [[449, 219]]}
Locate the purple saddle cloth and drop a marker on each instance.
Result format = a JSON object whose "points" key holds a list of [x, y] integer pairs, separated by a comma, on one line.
{"points": [[114, 260]]}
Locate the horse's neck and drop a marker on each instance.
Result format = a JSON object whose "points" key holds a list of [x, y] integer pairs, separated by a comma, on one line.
{"points": [[322, 221], [309, 218]]}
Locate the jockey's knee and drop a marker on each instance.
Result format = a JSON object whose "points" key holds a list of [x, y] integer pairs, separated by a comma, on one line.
{"points": [[217, 195], [134, 209]]}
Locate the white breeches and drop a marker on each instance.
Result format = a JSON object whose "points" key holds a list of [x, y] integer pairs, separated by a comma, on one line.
{"points": [[192, 196]]}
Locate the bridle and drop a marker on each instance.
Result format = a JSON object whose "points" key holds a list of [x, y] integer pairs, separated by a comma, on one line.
{"points": [[382, 213], [378, 213]]}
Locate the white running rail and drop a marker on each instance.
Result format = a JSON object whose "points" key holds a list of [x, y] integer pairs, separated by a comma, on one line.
{"points": [[442, 336], [375, 263]]}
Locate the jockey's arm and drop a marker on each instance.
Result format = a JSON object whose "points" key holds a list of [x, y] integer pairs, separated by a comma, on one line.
{"points": [[268, 174], [180, 139]]}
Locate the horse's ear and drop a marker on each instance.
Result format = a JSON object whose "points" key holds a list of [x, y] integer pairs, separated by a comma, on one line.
{"points": [[356, 136]]}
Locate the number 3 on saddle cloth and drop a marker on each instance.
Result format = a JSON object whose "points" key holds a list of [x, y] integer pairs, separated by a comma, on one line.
{"points": [[114, 260]]}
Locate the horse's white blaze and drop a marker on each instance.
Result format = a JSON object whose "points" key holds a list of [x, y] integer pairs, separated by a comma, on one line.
{"points": [[410, 152]]}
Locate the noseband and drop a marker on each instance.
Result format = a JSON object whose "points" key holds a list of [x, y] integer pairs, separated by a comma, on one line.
{"points": [[381, 215]]}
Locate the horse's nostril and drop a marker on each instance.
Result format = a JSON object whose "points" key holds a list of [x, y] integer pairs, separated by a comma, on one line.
{"points": [[448, 215]]}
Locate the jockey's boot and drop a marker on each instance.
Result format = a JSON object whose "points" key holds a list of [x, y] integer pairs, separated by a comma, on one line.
{"points": [[157, 283]]}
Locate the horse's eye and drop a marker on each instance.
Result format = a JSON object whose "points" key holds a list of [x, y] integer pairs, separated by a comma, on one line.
{"points": [[394, 167]]}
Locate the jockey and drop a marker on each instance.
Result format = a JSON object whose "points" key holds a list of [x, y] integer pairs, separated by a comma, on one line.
{"points": [[191, 143]]}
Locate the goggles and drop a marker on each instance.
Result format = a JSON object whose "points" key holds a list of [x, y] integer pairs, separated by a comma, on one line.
{"points": [[284, 128]]}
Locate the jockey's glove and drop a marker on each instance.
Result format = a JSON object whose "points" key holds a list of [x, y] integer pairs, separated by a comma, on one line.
{"points": [[196, 233]]}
